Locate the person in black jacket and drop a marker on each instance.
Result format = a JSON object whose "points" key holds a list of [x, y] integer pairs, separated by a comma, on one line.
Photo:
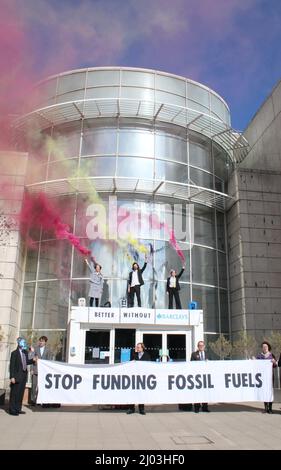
{"points": [[18, 376], [135, 282], [140, 355], [173, 288], [200, 355]]}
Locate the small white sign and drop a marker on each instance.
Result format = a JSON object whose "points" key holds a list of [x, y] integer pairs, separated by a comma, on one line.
{"points": [[103, 315], [104, 354], [137, 315], [96, 353]]}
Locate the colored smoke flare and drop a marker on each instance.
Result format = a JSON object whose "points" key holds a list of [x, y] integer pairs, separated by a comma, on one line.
{"points": [[156, 224], [39, 212]]}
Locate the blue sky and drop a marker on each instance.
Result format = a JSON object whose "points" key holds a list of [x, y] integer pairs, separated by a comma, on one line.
{"points": [[232, 46]]}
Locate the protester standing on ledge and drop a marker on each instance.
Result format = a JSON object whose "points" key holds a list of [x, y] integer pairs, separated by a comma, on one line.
{"points": [[18, 376], [135, 282], [140, 355], [267, 354], [173, 288], [96, 282]]}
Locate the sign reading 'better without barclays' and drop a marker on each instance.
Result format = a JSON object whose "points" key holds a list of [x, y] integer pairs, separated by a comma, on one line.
{"points": [[138, 315]]}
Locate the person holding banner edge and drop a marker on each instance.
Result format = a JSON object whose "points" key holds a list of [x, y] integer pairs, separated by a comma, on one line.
{"points": [[200, 355], [267, 354], [140, 355]]}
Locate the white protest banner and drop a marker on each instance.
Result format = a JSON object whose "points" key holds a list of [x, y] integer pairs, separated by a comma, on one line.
{"points": [[155, 383]]}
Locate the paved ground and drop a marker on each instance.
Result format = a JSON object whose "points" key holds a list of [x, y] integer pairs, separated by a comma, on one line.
{"points": [[228, 426]]}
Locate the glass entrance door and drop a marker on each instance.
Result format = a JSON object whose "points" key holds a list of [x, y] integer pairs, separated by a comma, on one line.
{"points": [[97, 349], [154, 344], [176, 347], [125, 339], [165, 346]]}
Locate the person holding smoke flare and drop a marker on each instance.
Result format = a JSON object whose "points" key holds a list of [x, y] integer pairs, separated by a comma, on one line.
{"points": [[96, 282], [173, 288]]}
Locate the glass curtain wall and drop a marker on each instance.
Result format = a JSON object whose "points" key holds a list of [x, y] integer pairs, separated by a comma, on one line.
{"points": [[56, 275]]}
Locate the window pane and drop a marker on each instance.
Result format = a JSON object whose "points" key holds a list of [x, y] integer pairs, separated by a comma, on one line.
{"points": [[207, 299], [137, 93], [142, 79], [99, 141], [170, 147], [201, 178], [31, 265], [218, 108], [198, 94], [222, 269], [136, 143], [79, 289], [224, 312], [171, 171], [220, 231], [71, 82], [98, 166], [134, 167], [163, 97], [166, 258], [204, 226], [102, 77], [65, 142], [170, 84], [222, 164], [27, 305], [55, 259], [71, 96], [102, 92], [52, 304], [204, 265], [200, 156], [58, 170]]}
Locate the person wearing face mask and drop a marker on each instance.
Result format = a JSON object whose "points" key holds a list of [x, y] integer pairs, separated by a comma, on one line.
{"points": [[18, 376]]}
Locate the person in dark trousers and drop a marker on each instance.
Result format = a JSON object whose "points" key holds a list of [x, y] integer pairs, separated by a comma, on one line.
{"points": [[41, 352], [140, 355], [200, 355], [173, 288], [18, 376], [267, 354], [135, 282]]}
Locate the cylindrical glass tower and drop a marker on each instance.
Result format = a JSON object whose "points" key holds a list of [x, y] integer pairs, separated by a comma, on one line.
{"points": [[149, 138]]}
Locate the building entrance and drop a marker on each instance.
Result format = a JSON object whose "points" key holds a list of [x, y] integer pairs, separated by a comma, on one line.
{"points": [[97, 350], [165, 346]]}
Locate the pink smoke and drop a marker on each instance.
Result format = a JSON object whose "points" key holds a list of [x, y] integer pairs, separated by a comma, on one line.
{"points": [[156, 224], [38, 211]]}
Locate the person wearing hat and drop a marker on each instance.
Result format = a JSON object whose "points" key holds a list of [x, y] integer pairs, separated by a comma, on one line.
{"points": [[18, 376]]}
